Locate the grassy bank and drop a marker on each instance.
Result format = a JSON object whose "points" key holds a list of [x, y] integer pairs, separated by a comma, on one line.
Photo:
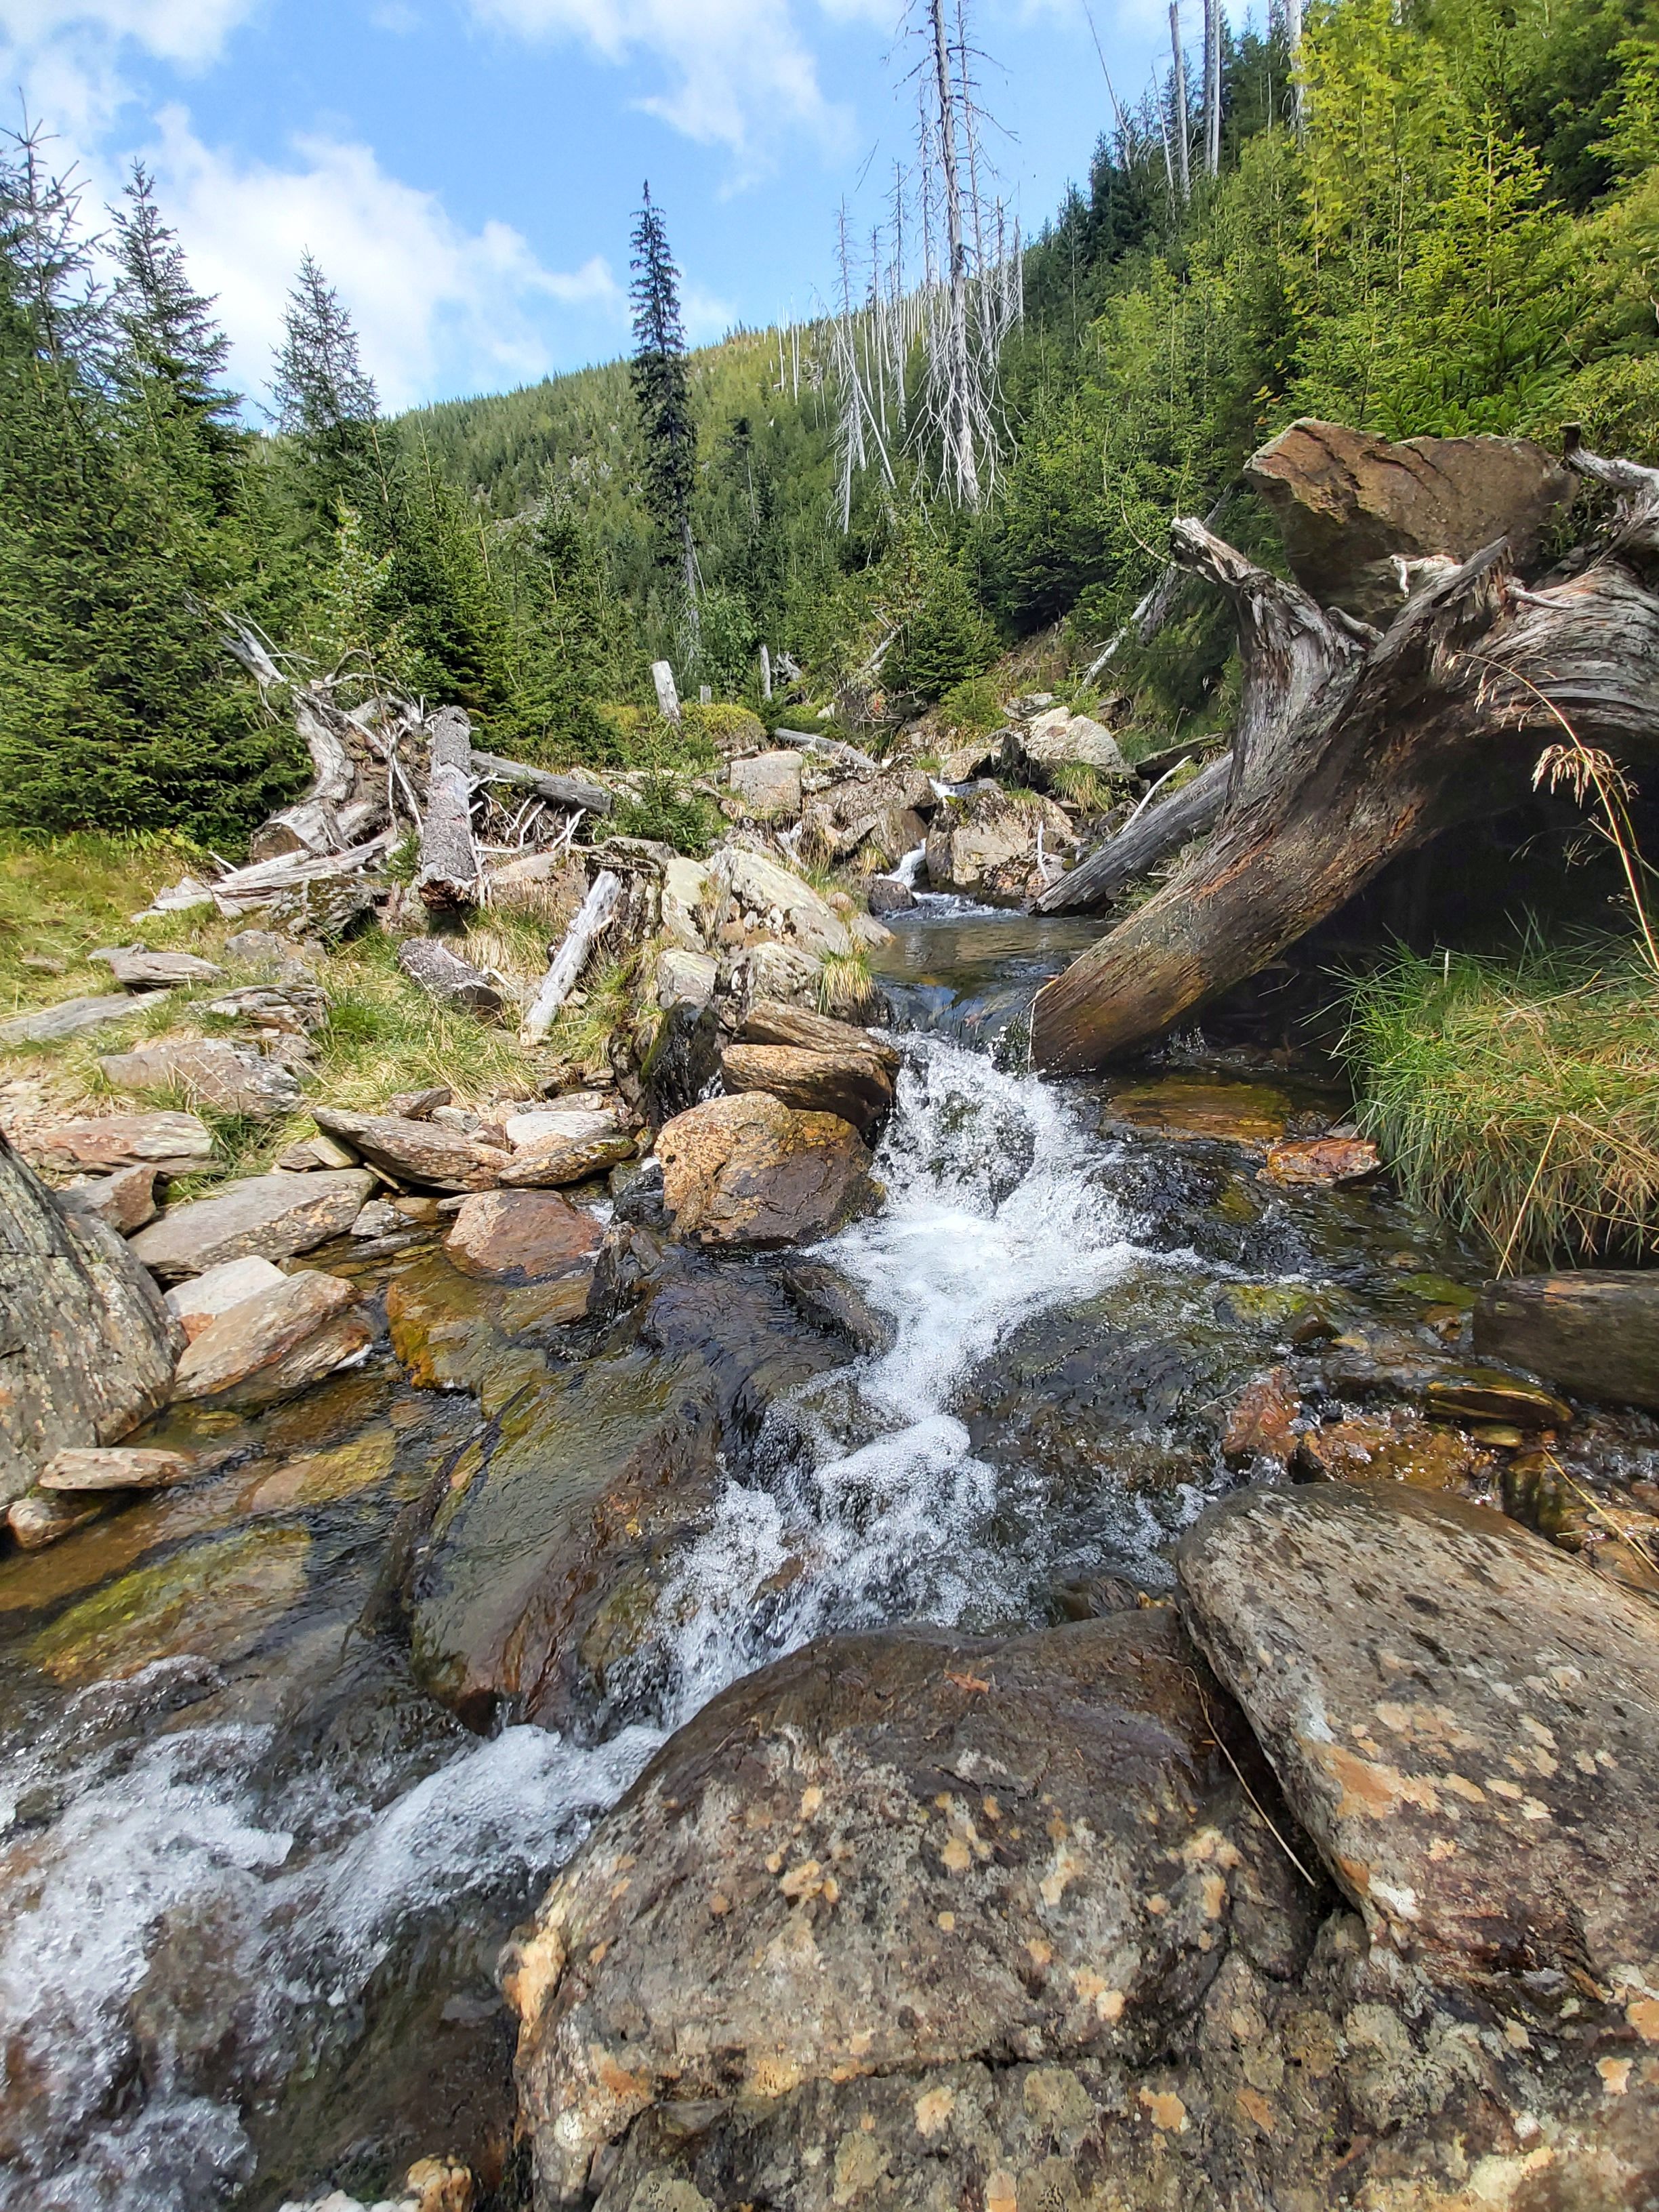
{"points": [[1519, 1100]]}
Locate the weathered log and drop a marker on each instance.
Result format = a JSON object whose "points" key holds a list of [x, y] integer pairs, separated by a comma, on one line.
{"points": [[245, 887], [87, 1347], [318, 823], [448, 873], [1596, 1334], [1354, 754], [567, 964], [574, 792], [1151, 835], [668, 699]]}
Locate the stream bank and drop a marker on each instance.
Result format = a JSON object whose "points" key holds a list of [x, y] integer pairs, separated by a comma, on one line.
{"points": [[258, 1869]]}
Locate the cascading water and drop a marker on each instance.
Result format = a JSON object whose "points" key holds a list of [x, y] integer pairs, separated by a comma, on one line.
{"points": [[184, 1814]]}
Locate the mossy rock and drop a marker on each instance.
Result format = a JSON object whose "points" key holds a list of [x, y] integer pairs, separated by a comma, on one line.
{"points": [[1264, 1306], [323, 1477], [217, 1599]]}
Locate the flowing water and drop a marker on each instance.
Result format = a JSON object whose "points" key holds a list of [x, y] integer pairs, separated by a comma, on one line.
{"points": [[255, 1879]]}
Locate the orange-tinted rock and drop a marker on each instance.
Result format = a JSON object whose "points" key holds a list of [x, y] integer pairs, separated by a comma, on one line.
{"points": [[1366, 1449], [851, 1083], [522, 1236], [272, 1344], [750, 1171], [1321, 1163], [1259, 1425]]}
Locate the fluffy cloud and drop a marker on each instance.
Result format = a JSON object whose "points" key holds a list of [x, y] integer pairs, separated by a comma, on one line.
{"points": [[68, 55], [438, 307], [740, 72]]}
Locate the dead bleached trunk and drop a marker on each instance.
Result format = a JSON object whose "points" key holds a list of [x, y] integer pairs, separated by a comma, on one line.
{"points": [[86, 1347], [448, 873], [571, 956], [1353, 749]]}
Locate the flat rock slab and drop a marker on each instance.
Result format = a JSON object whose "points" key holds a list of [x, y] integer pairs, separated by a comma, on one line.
{"points": [[751, 1172], [427, 1153], [231, 1078], [125, 1199], [1595, 1333], [275, 1343], [1321, 1163], [851, 1083], [522, 1236], [1252, 1113], [771, 1022], [196, 1303], [138, 968], [891, 1851], [171, 1143], [269, 1217], [66, 1019], [1465, 1720], [118, 1466]]}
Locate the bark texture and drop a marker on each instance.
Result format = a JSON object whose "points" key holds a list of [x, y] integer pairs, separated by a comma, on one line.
{"points": [[448, 874], [1354, 748], [87, 1347]]}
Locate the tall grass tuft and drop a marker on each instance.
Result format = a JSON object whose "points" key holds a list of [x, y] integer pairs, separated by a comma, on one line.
{"points": [[1518, 1100]]}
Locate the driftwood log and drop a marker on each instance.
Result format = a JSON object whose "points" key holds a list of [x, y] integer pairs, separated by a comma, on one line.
{"points": [[571, 955], [1595, 1333], [573, 792], [1152, 836], [1355, 748], [86, 1347], [448, 873], [343, 806]]}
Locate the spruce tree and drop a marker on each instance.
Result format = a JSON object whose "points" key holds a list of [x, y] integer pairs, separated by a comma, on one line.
{"points": [[327, 402], [662, 390]]}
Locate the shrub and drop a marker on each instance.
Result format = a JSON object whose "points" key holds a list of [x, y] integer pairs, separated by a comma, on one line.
{"points": [[971, 709]]}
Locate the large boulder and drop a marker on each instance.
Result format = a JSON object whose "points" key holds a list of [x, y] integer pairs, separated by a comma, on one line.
{"points": [[1596, 1332], [87, 1347], [1059, 739], [430, 1155], [271, 1216], [986, 846], [896, 1852], [771, 1021], [766, 787], [524, 1237], [1350, 507], [276, 1343], [764, 895], [750, 1171], [852, 1084], [687, 893], [171, 1144], [1466, 1723], [232, 1079]]}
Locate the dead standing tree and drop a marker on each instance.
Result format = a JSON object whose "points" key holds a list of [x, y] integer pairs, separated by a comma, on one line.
{"points": [[1355, 747]]}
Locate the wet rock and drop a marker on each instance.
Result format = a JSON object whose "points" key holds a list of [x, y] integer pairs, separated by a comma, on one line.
{"points": [[685, 978], [1366, 1449], [217, 1599], [767, 786], [118, 1466], [136, 968], [852, 1084], [1595, 1333], [125, 1199], [275, 1343], [1261, 1424], [1487, 1394], [892, 1852], [43, 1516], [445, 976], [68, 1018], [87, 1347], [889, 895], [1321, 1163], [523, 1236], [1349, 506], [1463, 1722], [232, 1077], [684, 1061], [271, 1216], [1251, 1114], [421, 1152], [199, 1302], [985, 847], [322, 1478], [766, 898], [751, 1172], [828, 1300], [170, 1144]]}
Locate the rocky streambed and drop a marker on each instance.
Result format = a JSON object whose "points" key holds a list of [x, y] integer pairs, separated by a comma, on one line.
{"points": [[956, 1804]]}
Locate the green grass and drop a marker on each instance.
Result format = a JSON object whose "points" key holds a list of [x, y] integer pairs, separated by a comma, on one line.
{"points": [[1518, 1100]]}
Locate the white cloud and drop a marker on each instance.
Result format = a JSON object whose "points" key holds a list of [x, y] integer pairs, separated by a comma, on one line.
{"points": [[437, 308], [67, 55], [739, 73]]}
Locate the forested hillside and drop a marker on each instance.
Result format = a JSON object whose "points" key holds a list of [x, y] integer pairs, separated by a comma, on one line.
{"points": [[1447, 219]]}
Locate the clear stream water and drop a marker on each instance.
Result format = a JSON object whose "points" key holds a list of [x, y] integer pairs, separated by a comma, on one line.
{"points": [[254, 1880]]}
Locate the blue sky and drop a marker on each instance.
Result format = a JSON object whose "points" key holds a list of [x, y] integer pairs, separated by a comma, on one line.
{"points": [[465, 170]]}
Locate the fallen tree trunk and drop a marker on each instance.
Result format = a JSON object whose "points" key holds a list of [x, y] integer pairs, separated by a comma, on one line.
{"points": [[1351, 752], [448, 873], [87, 1347], [567, 962], [573, 792], [1151, 837], [243, 888]]}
